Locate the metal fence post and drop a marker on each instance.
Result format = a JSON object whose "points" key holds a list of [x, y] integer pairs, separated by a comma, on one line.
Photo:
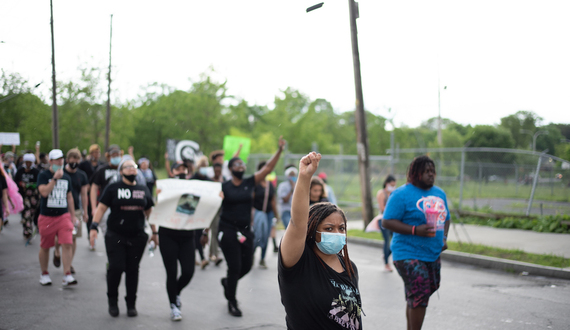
{"points": [[516, 179], [461, 177], [534, 181]]}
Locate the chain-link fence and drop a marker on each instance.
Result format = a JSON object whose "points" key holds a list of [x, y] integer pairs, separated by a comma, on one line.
{"points": [[476, 179]]}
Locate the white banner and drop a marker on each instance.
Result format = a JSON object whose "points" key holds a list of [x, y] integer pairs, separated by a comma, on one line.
{"points": [[9, 139], [186, 204]]}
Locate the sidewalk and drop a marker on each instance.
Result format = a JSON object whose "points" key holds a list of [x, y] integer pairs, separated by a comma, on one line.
{"points": [[525, 240]]}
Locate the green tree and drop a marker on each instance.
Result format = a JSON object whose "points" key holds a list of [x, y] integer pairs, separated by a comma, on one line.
{"points": [[521, 120]]}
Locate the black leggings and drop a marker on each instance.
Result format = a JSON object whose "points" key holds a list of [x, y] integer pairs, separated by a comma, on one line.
{"points": [[197, 236], [173, 248], [124, 255], [239, 256]]}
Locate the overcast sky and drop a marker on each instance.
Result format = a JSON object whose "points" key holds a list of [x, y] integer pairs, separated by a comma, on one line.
{"points": [[495, 57]]}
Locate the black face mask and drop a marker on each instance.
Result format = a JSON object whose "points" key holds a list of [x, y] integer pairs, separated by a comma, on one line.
{"points": [[181, 176], [130, 177], [73, 165], [238, 174]]}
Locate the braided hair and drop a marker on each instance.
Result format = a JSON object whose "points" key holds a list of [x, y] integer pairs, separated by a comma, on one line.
{"points": [[317, 213], [417, 167]]}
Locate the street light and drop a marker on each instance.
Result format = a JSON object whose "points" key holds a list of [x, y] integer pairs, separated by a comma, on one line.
{"points": [[534, 136]]}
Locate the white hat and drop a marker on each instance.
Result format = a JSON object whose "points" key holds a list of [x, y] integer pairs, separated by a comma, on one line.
{"points": [[291, 170], [55, 154], [29, 158]]}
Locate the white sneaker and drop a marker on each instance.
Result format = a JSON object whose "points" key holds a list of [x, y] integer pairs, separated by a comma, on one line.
{"points": [[45, 279], [178, 302], [68, 280], [175, 314]]}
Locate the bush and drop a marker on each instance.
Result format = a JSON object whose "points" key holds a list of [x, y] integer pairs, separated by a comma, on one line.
{"points": [[544, 224]]}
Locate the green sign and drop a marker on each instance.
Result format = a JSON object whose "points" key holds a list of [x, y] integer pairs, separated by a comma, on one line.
{"points": [[231, 145]]}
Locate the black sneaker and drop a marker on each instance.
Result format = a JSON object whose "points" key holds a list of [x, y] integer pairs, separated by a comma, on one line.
{"points": [[114, 311], [233, 309]]}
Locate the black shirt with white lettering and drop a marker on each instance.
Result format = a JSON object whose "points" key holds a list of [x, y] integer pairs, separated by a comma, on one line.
{"points": [[127, 204], [78, 180], [237, 203], [103, 176], [56, 202]]}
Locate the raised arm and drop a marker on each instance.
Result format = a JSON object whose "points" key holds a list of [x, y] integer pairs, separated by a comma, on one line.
{"points": [[270, 165], [167, 165], [293, 242], [236, 154]]}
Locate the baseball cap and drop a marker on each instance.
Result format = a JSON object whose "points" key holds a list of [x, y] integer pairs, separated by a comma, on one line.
{"points": [[55, 154], [30, 158], [113, 148], [177, 165], [322, 175], [94, 147]]}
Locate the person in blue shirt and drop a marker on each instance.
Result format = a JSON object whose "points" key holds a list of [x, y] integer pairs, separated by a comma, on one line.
{"points": [[416, 247]]}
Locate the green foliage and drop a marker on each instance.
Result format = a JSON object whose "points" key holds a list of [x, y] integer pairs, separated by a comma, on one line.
{"points": [[544, 224], [511, 254]]}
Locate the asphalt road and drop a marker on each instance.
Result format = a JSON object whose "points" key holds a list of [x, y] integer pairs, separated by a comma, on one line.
{"points": [[470, 298]]}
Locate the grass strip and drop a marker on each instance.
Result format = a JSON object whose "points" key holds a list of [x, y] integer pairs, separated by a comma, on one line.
{"points": [[517, 255]]}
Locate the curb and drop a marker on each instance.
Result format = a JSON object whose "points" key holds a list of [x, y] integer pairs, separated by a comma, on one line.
{"points": [[485, 262]]}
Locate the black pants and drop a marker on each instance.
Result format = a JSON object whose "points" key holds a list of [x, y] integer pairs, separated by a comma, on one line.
{"points": [[239, 256], [124, 255], [174, 248], [198, 246]]}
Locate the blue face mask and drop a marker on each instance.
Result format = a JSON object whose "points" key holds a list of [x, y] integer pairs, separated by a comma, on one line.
{"points": [[115, 161], [203, 171], [331, 243], [293, 178], [56, 168]]}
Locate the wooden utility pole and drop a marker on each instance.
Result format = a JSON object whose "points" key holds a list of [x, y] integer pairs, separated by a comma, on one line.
{"points": [[360, 118], [108, 120], [54, 115]]}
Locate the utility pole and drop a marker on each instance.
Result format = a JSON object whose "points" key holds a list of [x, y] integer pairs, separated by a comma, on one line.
{"points": [[360, 118], [108, 119], [54, 115]]}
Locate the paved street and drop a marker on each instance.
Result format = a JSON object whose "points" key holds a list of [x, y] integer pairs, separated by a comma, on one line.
{"points": [[470, 298]]}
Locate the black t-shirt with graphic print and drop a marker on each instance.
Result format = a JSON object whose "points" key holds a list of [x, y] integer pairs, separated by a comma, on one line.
{"points": [[28, 178], [56, 202], [127, 204], [78, 180], [315, 296], [236, 206], [103, 176]]}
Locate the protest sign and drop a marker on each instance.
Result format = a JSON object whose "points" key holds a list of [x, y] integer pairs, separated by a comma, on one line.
{"points": [[180, 150], [231, 145], [9, 139], [186, 204]]}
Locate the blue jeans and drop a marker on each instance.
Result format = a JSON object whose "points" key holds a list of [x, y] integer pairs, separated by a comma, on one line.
{"points": [[387, 234], [262, 223], [285, 218]]}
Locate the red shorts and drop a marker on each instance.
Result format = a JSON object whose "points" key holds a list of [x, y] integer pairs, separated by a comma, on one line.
{"points": [[60, 226]]}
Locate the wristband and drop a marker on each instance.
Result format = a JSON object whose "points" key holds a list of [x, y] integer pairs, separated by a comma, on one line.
{"points": [[94, 226], [155, 233], [413, 230], [445, 237]]}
